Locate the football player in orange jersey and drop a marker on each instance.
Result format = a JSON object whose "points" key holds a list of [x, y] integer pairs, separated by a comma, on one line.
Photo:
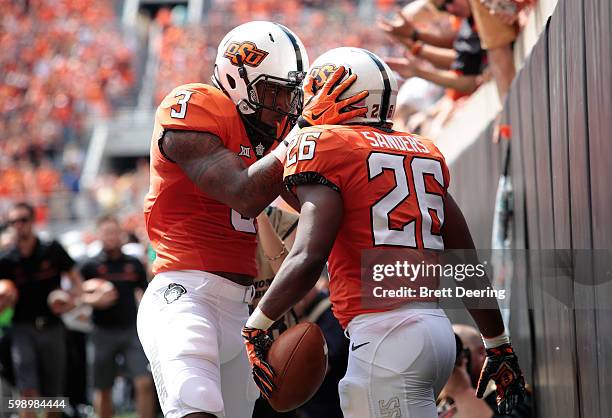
{"points": [[363, 186], [209, 178]]}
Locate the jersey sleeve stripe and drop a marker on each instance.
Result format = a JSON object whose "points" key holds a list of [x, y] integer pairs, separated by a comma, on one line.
{"points": [[309, 177], [160, 146]]}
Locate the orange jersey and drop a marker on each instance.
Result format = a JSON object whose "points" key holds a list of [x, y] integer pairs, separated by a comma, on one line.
{"points": [[391, 185], [188, 229]]}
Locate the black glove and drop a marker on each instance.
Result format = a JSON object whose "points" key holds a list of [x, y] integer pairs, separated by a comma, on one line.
{"points": [[502, 366], [258, 343]]}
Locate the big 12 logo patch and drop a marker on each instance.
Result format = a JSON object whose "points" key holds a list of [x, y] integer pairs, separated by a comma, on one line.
{"points": [[245, 53]]}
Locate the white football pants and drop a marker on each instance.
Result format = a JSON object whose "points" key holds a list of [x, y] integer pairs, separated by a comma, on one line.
{"points": [[189, 324], [398, 362]]}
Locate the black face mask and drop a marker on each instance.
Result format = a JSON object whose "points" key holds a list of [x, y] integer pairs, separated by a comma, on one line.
{"points": [[263, 94], [276, 96]]}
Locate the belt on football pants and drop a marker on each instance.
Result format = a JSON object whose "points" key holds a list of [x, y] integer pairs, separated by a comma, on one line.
{"points": [[210, 283], [228, 289]]}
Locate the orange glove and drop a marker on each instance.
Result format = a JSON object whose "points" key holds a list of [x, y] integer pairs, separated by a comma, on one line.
{"points": [[323, 108], [257, 343]]}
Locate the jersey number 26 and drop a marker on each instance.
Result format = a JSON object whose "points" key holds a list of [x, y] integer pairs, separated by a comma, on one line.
{"points": [[430, 204]]}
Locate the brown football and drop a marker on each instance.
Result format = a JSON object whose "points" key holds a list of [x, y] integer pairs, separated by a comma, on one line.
{"points": [[299, 359]]}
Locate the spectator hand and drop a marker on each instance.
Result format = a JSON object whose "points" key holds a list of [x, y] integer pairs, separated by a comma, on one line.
{"points": [[258, 343], [399, 28], [100, 295], [508, 19], [505, 10], [60, 302], [502, 366], [323, 106], [407, 67]]}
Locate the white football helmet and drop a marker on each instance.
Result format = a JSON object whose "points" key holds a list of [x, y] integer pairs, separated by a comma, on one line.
{"points": [[373, 75], [258, 59]]}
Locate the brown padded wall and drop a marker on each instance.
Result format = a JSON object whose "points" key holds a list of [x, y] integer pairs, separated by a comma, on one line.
{"points": [[598, 21], [560, 110], [580, 207]]}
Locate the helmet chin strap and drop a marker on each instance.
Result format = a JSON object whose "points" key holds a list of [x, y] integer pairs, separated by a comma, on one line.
{"points": [[242, 72]]}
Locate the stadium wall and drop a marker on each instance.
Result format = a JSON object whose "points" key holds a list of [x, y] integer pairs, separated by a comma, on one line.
{"points": [[560, 111]]}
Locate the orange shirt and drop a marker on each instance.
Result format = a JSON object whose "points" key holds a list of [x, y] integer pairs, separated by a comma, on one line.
{"points": [[391, 185], [188, 229]]}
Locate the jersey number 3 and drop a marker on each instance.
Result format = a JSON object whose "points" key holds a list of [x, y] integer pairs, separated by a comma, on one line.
{"points": [[184, 95], [429, 204]]}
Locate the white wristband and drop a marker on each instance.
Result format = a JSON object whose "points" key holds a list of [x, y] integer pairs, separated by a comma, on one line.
{"points": [[280, 152], [259, 320], [496, 341]]}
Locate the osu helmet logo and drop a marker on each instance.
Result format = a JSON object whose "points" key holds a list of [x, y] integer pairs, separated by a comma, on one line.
{"points": [[321, 74], [173, 292], [247, 51]]}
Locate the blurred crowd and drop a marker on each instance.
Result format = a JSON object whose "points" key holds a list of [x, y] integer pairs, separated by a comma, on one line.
{"points": [[442, 50], [61, 62], [122, 193], [451, 48], [187, 52]]}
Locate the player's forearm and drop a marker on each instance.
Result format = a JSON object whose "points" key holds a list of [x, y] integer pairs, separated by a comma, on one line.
{"points": [[257, 186], [320, 220], [221, 174], [485, 309], [457, 237], [298, 274], [449, 79], [489, 321], [248, 190], [263, 182]]}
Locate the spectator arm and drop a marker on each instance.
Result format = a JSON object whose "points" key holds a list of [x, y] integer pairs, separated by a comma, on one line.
{"points": [[462, 83], [272, 245], [442, 58], [441, 40]]}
